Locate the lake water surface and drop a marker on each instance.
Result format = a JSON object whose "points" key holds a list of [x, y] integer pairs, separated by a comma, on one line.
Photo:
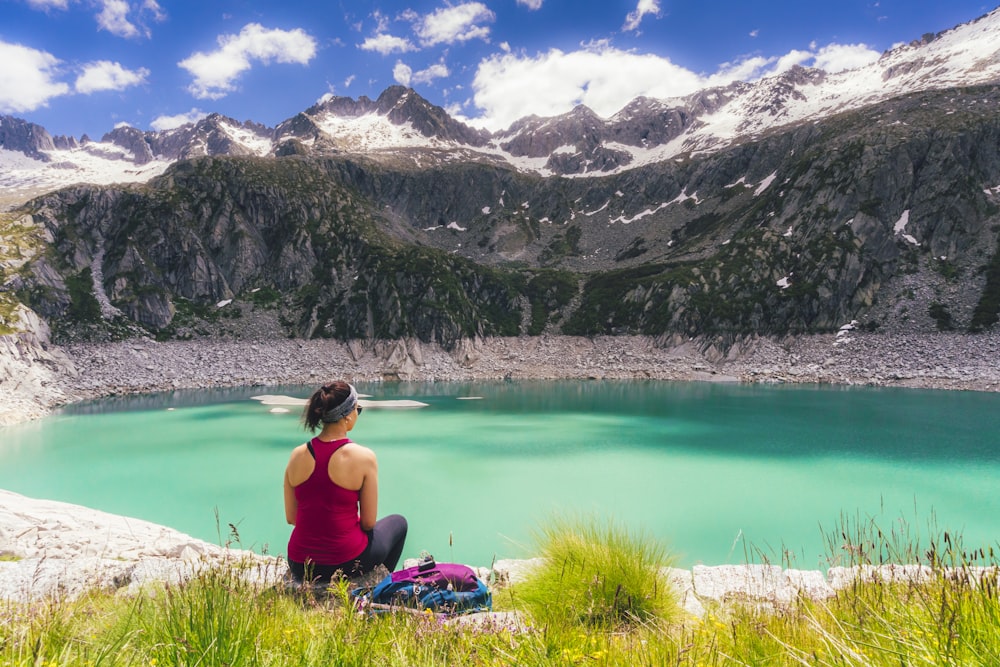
{"points": [[712, 470]]}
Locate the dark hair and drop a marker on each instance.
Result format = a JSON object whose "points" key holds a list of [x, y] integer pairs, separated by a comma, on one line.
{"points": [[325, 398]]}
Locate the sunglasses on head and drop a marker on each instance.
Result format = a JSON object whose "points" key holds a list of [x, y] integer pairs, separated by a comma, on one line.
{"points": [[360, 409]]}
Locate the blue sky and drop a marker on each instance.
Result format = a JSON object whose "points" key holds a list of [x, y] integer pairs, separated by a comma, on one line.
{"points": [[85, 66]]}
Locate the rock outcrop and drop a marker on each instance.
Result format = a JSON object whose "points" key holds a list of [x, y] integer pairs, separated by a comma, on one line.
{"points": [[31, 370], [55, 549]]}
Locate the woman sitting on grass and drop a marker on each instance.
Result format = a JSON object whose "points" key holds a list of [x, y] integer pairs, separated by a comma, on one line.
{"points": [[331, 496]]}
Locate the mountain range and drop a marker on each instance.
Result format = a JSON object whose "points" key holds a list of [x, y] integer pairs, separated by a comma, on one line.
{"points": [[797, 203]]}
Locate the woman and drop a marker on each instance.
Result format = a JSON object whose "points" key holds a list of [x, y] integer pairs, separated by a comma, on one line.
{"points": [[331, 496]]}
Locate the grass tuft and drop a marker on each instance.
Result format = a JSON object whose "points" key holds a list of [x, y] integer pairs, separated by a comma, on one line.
{"points": [[597, 573]]}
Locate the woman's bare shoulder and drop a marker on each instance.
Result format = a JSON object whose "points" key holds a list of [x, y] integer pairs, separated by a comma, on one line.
{"points": [[355, 450], [299, 451]]}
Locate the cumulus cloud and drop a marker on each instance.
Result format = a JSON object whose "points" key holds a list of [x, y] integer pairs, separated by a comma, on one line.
{"points": [[215, 73], [27, 78], [555, 82], [114, 18], [128, 20], [106, 75], [161, 123], [644, 7], [386, 44], [531, 4], [405, 76], [455, 24], [402, 73], [508, 86], [436, 71], [840, 57]]}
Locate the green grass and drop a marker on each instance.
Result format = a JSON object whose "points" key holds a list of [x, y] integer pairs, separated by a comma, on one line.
{"points": [[597, 574], [949, 617]]}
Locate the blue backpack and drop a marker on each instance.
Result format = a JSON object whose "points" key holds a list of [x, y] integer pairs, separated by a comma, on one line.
{"points": [[447, 588]]}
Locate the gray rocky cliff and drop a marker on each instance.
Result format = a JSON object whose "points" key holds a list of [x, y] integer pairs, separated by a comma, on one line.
{"points": [[24, 137]]}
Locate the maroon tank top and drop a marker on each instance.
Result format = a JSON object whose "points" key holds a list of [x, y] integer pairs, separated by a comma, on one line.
{"points": [[327, 523]]}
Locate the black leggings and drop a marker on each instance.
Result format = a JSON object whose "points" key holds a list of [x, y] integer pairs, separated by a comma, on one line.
{"points": [[385, 546]]}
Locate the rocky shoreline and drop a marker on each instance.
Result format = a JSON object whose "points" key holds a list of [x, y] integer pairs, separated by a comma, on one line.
{"points": [[83, 371]]}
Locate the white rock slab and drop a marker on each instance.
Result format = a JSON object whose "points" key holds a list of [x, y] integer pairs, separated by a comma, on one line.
{"points": [[61, 549]]}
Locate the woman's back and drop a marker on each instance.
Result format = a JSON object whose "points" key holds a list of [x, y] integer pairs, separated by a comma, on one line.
{"points": [[327, 523]]}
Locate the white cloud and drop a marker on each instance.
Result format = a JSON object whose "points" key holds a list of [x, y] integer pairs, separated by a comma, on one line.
{"points": [[644, 7], [386, 44], [119, 17], [349, 80], [106, 75], [455, 24], [49, 4], [402, 73], [161, 123], [754, 33], [436, 71], [114, 18], [508, 86], [531, 4], [27, 78], [153, 7], [215, 73], [840, 57]]}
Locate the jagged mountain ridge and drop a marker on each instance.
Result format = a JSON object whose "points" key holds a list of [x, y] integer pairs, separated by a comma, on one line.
{"points": [[887, 216], [402, 125]]}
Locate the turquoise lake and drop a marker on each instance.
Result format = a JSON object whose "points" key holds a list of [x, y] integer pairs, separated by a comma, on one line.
{"points": [[715, 471]]}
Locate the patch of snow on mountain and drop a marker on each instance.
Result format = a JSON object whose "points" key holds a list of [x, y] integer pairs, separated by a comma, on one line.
{"points": [[899, 229], [741, 181], [521, 163], [638, 216], [784, 283], [900, 225], [590, 213], [683, 197], [97, 163], [568, 149], [373, 132], [249, 139], [455, 226], [765, 184]]}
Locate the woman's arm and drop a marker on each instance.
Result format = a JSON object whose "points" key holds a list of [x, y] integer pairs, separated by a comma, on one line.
{"points": [[291, 505], [368, 499]]}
